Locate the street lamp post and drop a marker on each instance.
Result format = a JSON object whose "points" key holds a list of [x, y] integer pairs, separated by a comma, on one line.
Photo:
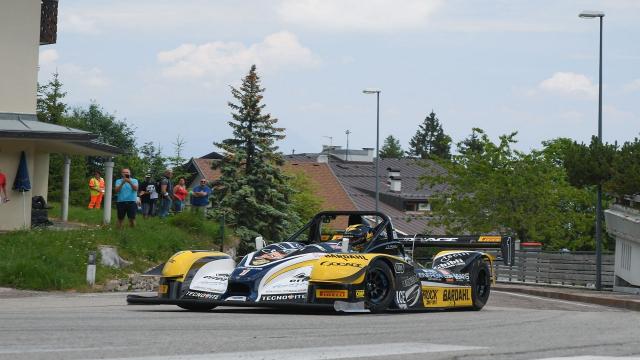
{"points": [[600, 15], [377, 92]]}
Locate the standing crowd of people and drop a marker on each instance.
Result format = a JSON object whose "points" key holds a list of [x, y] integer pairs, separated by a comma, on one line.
{"points": [[150, 197]]}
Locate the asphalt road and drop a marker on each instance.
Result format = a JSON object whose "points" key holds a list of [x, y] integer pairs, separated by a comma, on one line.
{"points": [[511, 326]]}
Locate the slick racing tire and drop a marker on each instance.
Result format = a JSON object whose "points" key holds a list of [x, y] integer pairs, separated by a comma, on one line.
{"points": [[379, 287], [480, 276], [197, 307]]}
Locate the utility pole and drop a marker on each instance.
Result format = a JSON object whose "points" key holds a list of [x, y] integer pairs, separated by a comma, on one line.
{"points": [[346, 158]]}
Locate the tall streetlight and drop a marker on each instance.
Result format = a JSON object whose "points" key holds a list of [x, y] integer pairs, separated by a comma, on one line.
{"points": [[377, 92], [600, 15]]}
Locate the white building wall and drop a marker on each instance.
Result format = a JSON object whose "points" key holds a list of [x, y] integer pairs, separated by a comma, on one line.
{"points": [[19, 42]]}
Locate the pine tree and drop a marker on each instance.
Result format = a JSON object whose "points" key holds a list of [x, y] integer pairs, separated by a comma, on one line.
{"points": [[256, 194], [391, 148], [430, 140], [49, 105]]}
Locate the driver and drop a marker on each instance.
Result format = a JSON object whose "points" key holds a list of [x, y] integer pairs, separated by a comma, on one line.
{"points": [[358, 235]]}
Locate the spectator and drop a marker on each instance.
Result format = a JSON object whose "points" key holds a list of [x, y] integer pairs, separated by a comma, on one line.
{"points": [[166, 193], [96, 190], [200, 197], [148, 196], [179, 194], [126, 190], [3, 189]]}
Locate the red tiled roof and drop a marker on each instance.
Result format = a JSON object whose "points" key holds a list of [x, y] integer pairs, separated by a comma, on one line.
{"points": [[324, 183], [204, 167]]}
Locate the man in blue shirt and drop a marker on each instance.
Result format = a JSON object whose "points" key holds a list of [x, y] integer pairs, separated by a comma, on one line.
{"points": [[200, 197], [127, 191]]}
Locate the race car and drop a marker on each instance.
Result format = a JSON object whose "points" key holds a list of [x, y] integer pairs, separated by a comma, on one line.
{"points": [[366, 267]]}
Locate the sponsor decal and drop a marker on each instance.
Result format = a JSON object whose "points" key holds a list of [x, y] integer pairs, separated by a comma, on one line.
{"points": [[335, 263], [391, 247], [461, 277], [217, 277], [429, 274], [399, 268], [332, 294], [346, 256], [449, 264], [408, 298], [163, 289], [359, 294], [490, 239], [299, 278], [409, 281], [283, 297], [450, 256], [442, 239], [236, 298], [244, 272], [446, 296], [202, 295]]}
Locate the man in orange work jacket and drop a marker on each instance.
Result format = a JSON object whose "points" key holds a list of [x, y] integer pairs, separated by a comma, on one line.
{"points": [[96, 189]]}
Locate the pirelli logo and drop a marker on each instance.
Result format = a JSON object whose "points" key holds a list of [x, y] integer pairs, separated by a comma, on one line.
{"points": [[493, 239], [442, 297], [331, 294]]}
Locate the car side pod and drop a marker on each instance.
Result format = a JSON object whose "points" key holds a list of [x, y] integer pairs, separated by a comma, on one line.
{"points": [[350, 307]]}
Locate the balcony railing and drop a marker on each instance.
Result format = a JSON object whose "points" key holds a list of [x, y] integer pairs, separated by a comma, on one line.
{"points": [[48, 21]]}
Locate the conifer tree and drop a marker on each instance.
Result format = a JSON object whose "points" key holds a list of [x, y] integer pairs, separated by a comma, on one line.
{"points": [[256, 193], [430, 140], [391, 148], [50, 106]]}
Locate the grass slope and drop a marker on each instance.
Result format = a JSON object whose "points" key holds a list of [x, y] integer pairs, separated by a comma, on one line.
{"points": [[56, 260]]}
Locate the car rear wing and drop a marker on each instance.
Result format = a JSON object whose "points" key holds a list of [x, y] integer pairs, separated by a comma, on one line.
{"points": [[506, 244]]}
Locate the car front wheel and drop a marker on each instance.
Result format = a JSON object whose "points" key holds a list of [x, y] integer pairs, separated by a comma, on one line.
{"points": [[379, 287]]}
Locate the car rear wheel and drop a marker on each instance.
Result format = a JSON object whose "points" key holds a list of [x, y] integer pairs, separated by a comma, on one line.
{"points": [[379, 287], [480, 275]]}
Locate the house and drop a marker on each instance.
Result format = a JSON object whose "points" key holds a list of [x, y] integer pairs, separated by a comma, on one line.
{"points": [[401, 196], [24, 26], [202, 168]]}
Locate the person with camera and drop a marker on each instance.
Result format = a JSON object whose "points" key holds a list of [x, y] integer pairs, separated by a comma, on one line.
{"points": [[127, 192]]}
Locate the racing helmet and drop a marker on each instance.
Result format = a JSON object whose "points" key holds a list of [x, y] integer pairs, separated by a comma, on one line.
{"points": [[358, 234]]}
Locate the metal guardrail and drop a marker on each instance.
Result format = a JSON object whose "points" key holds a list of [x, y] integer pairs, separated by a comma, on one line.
{"points": [[564, 269]]}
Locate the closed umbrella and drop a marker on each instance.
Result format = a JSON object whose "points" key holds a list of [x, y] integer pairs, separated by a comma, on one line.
{"points": [[22, 183]]}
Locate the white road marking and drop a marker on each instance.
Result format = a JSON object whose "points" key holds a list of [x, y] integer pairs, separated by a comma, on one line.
{"points": [[319, 353], [547, 299]]}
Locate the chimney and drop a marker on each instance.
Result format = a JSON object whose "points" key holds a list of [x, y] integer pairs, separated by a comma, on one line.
{"points": [[394, 180], [395, 184]]}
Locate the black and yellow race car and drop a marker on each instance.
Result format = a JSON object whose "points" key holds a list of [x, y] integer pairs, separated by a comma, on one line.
{"points": [[366, 267]]}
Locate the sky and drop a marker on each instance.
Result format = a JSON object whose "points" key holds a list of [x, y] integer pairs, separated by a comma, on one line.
{"points": [[166, 67]]}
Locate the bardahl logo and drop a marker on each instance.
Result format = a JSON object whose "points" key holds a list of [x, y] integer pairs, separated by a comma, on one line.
{"points": [[455, 295]]}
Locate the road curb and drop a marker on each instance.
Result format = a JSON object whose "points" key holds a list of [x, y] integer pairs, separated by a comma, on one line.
{"points": [[628, 304]]}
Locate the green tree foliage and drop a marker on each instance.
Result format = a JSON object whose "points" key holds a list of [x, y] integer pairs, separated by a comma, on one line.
{"points": [[303, 201], [473, 143], [590, 165], [177, 161], [502, 190], [430, 141], [625, 178], [257, 194], [391, 148], [50, 105], [152, 160]]}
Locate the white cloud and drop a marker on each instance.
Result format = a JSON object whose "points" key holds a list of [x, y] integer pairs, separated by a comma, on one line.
{"points": [[569, 84], [370, 15], [632, 86], [48, 57], [220, 58]]}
